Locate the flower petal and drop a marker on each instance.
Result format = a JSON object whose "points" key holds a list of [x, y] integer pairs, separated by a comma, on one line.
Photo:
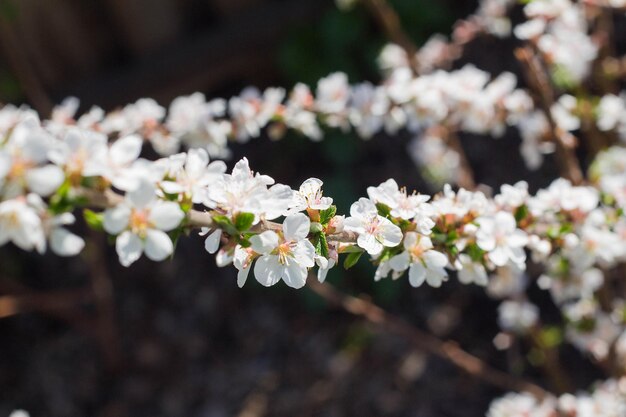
{"points": [[116, 219], [212, 242], [265, 242], [417, 274], [158, 245], [64, 243], [45, 180], [296, 227], [166, 215], [294, 275], [125, 150], [128, 247], [267, 270]]}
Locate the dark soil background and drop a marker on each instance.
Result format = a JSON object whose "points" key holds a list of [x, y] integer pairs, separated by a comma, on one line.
{"points": [[179, 338]]}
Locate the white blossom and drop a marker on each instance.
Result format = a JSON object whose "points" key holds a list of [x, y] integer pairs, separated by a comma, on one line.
{"points": [[375, 231]]}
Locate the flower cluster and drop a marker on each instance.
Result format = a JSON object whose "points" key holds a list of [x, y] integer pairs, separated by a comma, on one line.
{"points": [[608, 399]]}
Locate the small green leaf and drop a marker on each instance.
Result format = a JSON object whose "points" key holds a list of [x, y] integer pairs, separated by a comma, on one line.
{"points": [[243, 221], [521, 213], [327, 215], [383, 209], [551, 336], [323, 245], [352, 259], [225, 224], [93, 219], [474, 252]]}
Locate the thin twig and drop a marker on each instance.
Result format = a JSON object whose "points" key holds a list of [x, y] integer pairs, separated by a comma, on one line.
{"points": [[104, 301], [389, 21], [447, 350], [14, 304], [537, 80]]}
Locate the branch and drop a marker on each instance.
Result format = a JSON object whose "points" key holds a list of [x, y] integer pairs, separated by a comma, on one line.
{"points": [[449, 351], [537, 80]]}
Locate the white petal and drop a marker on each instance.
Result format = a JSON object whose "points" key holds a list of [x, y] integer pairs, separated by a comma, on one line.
{"points": [[166, 215], [304, 254], [64, 243], [400, 262], [267, 270], [434, 259], [5, 164], [296, 227], [311, 186], [499, 256], [142, 196], [391, 234], [212, 242], [128, 247], [45, 180], [116, 219], [294, 275], [265, 242], [158, 245], [242, 276], [417, 274], [171, 187], [369, 243], [197, 161], [125, 150], [363, 208]]}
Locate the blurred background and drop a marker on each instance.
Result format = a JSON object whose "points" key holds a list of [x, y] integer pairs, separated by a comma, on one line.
{"points": [[91, 338]]}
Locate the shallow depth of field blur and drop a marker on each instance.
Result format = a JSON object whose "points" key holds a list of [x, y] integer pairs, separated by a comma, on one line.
{"points": [[182, 339]]}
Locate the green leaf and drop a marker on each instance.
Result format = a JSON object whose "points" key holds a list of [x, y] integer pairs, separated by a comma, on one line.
{"points": [[243, 221], [94, 220], [521, 213], [383, 209], [323, 244], [327, 215], [352, 259], [225, 224], [474, 252], [551, 336]]}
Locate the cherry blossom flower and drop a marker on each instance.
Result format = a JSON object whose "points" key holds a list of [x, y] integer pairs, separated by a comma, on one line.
{"points": [[375, 231], [20, 224], [404, 206], [23, 162], [500, 237], [309, 196], [423, 262], [285, 257], [517, 316], [140, 223], [193, 175], [244, 192]]}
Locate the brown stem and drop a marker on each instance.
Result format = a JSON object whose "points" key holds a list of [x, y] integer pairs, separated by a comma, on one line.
{"points": [[537, 79], [465, 176], [389, 20], [551, 362], [104, 301], [196, 218], [14, 304], [448, 350]]}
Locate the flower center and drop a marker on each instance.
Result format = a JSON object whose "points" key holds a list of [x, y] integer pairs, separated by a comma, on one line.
{"points": [[284, 252], [19, 167], [139, 223], [373, 225]]}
